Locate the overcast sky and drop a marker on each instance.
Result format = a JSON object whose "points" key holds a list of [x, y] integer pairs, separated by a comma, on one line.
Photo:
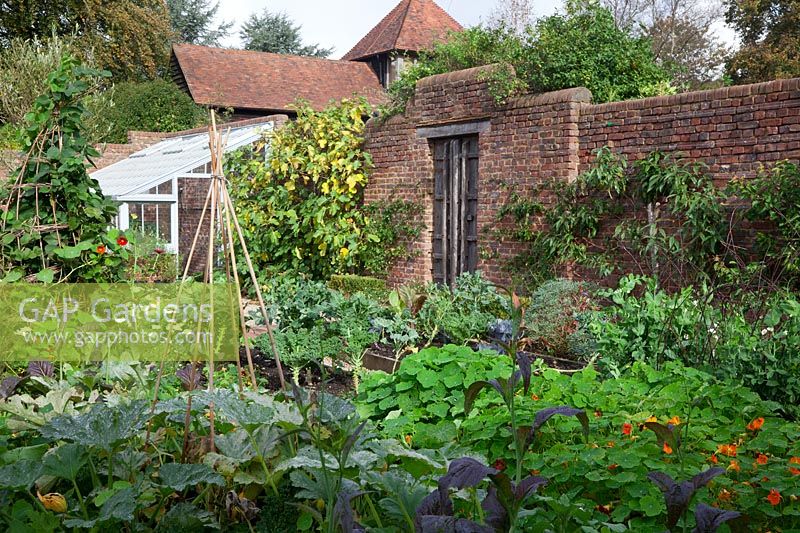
{"points": [[342, 23]]}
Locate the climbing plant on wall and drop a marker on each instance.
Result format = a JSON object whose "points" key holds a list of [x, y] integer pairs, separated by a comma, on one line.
{"points": [[299, 206], [55, 220], [660, 215]]}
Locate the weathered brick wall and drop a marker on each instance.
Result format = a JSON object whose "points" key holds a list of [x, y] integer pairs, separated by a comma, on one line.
{"points": [[733, 130], [534, 139]]}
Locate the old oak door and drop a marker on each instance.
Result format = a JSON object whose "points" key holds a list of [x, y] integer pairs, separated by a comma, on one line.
{"points": [[455, 207]]}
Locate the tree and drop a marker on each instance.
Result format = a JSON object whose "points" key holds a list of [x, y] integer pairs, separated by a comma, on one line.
{"points": [[581, 48], [157, 105], [24, 67], [275, 32], [584, 47], [193, 22], [682, 36], [770, 35], [515, 15], [130, 38]]}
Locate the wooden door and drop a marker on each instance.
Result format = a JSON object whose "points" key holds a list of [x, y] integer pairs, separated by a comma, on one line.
{"points": [[455, 208]]}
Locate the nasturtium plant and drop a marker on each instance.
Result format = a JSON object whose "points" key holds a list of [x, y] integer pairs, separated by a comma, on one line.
{"points": [[300, 207]]}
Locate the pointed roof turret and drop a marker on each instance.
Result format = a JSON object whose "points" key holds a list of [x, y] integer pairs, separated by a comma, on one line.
{"points": [[412, 26]]}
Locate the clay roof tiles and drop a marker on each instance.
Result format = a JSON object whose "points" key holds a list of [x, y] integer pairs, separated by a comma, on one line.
{"points": [[244, 79], [414, 25]]}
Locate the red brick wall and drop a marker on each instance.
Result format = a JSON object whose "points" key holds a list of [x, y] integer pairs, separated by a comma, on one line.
{"points": [[536, 138], [733, 130]]}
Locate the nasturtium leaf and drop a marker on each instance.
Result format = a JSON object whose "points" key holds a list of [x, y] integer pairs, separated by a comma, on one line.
{"points": [[427, 378], [45, 276], [651, 505], [178, 476]]}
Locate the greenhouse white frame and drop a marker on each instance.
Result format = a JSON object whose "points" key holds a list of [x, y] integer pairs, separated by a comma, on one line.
{"points": [[133, 180]]}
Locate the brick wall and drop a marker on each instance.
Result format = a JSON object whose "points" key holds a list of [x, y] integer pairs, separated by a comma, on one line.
{"points": [[733, 130], [537, 138]]}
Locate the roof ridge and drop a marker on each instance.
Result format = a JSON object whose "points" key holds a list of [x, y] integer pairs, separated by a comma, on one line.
{"points": [[257, 52], [384, 25]]}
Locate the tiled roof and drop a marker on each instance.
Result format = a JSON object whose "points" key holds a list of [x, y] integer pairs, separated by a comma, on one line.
{"points": [[414, 25], [244, 79]]}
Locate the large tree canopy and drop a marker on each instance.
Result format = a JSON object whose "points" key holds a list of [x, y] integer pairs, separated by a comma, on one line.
{"points": [[275, 32], [770, 35], [193, 22], [128, 37]]}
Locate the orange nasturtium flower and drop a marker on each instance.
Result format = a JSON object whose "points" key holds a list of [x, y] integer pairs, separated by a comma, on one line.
{"points": [[735, 466], [756, 424], [675, 420], [774, 497], [667, 449], [713, 458], [793, 470], [727, 449], [652, 419], [627, 428], [535, 397], [101, 249], [407, 438], [762, 459]]}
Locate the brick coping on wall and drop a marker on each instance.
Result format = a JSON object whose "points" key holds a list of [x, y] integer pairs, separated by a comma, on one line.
{"points": [[720, 94]]}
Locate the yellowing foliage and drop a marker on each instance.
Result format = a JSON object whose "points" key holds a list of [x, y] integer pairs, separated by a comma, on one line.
{"points": [[301, 208]]}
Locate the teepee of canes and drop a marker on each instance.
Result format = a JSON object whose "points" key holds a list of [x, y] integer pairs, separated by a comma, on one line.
{"points": [[219, 216]]}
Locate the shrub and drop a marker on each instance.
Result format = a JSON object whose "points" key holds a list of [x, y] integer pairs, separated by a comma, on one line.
{"points": [[582, 48], [149, 106], [24, 68], [552, 316], [351, 284], [586, 48], [461, 313]]}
